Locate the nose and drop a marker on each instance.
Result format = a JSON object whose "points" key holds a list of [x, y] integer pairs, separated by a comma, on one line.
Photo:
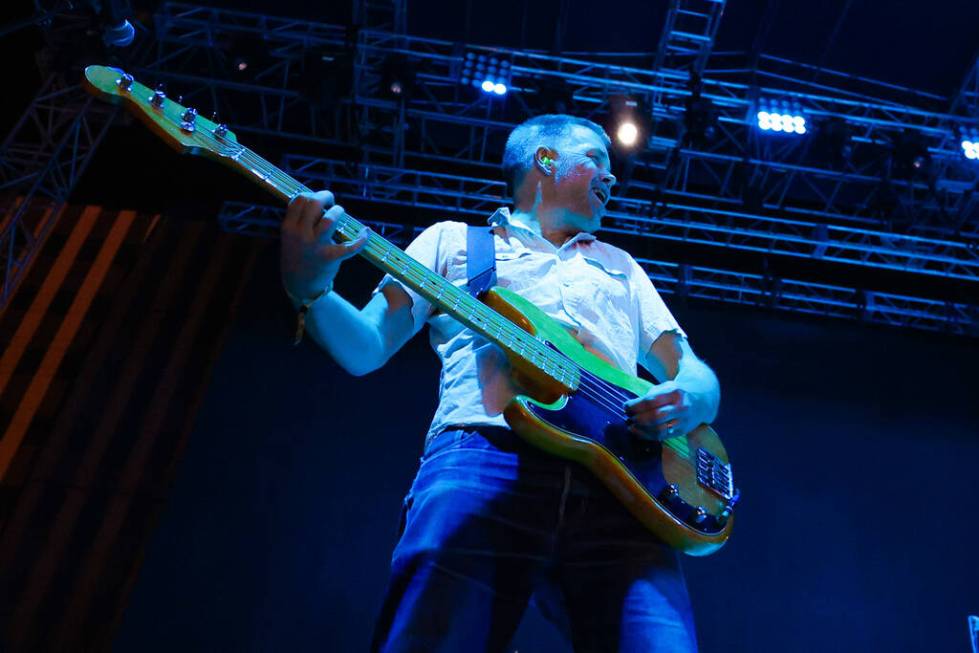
{"points": [[608, 179]]}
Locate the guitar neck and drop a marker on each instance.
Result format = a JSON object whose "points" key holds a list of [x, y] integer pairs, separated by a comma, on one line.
{"points": [[444, 295]]}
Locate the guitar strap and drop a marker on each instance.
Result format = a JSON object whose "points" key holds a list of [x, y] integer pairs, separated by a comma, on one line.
{"points": [[480, 260]]}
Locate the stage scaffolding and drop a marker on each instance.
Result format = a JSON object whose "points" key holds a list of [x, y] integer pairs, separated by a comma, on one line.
{"points": [[437, 148]]}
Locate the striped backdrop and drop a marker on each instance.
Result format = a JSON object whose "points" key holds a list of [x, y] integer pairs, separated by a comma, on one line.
{"points": [[107, 348]]}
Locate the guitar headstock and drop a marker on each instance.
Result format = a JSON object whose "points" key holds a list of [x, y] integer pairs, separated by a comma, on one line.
{"points": [[178, 125]]}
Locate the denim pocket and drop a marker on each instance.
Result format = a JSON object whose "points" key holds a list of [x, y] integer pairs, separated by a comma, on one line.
{"points": [[446, 440]]}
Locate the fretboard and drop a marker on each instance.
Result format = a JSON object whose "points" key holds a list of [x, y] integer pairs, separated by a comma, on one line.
{"points": [[443, 294]]}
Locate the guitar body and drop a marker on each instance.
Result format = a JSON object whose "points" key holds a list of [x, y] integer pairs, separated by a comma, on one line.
{"points": [[658, 482]]}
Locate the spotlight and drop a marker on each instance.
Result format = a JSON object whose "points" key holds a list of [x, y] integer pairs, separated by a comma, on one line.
{"points": [[247, 55], [629, 121], [117, 31], [910, 155], [627, 133], [780, 116], [970, 146], [489, 73], [398, 77]]}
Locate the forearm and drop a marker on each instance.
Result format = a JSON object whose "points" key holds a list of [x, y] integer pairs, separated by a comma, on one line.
{"points": [[701, 384], [352, 337]]}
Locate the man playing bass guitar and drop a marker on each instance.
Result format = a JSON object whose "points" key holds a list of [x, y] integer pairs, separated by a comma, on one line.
{"points": [[491, 520]]}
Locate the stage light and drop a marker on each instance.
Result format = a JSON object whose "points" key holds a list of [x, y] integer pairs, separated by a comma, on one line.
{"points": [[627, 133], [629, 120], [910, 154], [488, 73], [398, 77], [970, 149], [780, 117]]}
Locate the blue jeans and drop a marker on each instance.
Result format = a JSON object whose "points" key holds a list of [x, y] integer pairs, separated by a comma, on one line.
{"points": [[489, 521]]}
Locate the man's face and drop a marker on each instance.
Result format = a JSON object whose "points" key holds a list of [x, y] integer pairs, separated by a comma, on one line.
{"points": [[582, 180]]}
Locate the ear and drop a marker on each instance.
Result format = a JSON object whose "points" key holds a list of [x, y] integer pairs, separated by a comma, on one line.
{"points": [[544, 158]]}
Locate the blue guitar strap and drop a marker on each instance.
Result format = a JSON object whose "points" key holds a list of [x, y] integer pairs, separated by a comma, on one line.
{"points": [[480, 259]]}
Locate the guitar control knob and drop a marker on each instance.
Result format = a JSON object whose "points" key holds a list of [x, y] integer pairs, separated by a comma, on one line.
{"points": [[724, 516], [670, 492], [125, 82], [221, 130], [699, 515]]}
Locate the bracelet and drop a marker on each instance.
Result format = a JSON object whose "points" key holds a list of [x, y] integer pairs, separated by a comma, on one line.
{"points": [[303, 309]]}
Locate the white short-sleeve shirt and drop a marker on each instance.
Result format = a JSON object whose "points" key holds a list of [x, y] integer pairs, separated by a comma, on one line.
{"points": [[595, 289]]}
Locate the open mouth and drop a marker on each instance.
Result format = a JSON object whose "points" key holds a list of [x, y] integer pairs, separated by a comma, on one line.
{"points": [[601, 195]]}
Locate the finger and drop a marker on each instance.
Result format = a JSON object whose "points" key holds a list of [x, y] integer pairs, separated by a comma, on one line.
{"points": [[295, 210], [328, 223], [312, 209], [653, 419], [353, 247], [642, 404]]}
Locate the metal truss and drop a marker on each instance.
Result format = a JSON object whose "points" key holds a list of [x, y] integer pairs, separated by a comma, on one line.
{"points": [[386, 15], [688, 34], [708, 284], [780, 171], [966, 102], [737, 190], [456, 194], [40, 161], [182, 26]]}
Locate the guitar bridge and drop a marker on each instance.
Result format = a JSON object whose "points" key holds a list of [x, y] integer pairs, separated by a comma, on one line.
{"points": [[715, 475]]}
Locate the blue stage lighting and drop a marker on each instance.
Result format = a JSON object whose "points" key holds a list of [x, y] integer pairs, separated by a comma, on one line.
{"points": [[780, 117], [485, 72]]}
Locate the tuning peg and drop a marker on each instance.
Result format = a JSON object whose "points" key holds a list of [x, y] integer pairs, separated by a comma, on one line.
{"points": [[125, 82], [159, 95], [188, 119]]}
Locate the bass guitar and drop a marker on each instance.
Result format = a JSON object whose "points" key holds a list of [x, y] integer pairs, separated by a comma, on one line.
{"points": [[681, 488]]}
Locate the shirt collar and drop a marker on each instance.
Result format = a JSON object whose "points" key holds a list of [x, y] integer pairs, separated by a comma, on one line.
{"points": [[502, 218]]}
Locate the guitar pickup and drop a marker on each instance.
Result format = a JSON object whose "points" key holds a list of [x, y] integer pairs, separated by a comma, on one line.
{"points": [[715, 475]]}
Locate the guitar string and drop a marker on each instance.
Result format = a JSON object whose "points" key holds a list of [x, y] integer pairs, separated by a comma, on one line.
{"points": [[601, 392]]}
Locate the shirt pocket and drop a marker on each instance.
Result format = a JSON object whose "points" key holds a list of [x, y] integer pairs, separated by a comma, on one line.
{"points": [[519, 269], [609, 283]]}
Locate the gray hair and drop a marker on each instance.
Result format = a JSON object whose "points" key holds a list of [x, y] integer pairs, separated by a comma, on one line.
{"points": [[546, 130]]}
